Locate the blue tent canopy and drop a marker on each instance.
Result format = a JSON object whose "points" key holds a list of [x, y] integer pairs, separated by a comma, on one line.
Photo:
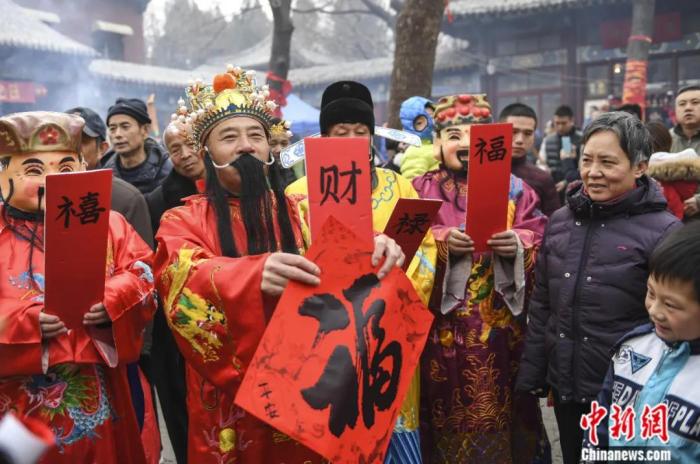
{"points": [[303, 116]]}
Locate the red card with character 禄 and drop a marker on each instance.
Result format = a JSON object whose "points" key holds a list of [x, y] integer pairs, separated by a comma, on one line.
{"points": [[336, 360], [339, 184], [76, 227], [488, 181], [409, 222]]}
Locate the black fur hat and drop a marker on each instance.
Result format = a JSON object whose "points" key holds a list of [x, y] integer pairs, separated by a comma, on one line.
{"points": [[346, 102]]}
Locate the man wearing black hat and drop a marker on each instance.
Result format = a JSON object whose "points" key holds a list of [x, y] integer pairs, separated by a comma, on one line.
{"points": [[347, 111], [126, 199], [135, 157]]}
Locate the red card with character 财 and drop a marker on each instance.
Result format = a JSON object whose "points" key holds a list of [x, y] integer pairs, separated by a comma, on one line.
{"points": [[336, 360], [340, 185]]}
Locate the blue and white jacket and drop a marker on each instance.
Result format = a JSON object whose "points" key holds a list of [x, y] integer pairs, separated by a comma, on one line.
{"points": [[646, 370]]}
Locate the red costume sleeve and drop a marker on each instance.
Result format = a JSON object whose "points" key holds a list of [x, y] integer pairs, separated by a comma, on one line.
{"points": [[213, 304], [20, 341], [675, 201], [128, 296]]}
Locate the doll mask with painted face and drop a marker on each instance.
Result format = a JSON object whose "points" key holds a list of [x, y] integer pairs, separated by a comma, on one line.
{"points": [[33, 145], [454, 115]]}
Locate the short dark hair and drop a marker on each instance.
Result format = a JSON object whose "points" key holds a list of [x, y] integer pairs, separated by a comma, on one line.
{"points": [[634, 137], [564, 111], [660, 137], [631, 108], [517, 109], [677, 257], [687, 88]]}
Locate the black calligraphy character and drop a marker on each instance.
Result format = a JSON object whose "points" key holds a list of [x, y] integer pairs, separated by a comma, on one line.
{"points": [[270, 408], [266, 391], [330, 176], [352, 183], [89, 208], [480, 147], [66, 210], [412, 224], [339, 384], [497, 149], [271, 411], [329, 183]]}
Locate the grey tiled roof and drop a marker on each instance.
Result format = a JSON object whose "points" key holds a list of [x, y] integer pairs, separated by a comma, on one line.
{"points": [[22, 30], [480, 7], [449, 55], [142, 73]]}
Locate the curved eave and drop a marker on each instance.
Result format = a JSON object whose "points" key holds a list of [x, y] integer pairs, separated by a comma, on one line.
{"points": [[494, 10], [75, 50], [135, 73], [364, 71]]}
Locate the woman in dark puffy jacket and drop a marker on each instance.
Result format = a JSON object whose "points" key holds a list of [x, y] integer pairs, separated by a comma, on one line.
{"points": [[592, 272]]}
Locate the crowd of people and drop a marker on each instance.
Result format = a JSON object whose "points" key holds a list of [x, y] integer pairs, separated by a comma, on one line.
{"points": [[591, 296]]}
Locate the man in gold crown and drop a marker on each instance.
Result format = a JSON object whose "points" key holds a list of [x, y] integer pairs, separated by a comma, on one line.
{"points": [[469, 412], [80, 390], [222, 262]]}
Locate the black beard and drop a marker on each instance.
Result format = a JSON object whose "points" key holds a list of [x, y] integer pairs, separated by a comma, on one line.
{"points": [[256, 208], [256, 204], [458, 173], [463, 158]]}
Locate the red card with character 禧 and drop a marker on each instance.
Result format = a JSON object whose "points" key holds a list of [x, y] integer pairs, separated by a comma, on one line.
{"points": [[340, 185], [409, 222], [488, 181], [336, 360], [76, 227]]}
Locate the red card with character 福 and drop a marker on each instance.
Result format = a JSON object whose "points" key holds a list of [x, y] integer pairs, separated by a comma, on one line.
{"points": [[409, 222], [339, 184], [76, 227], [336, 360], [488, 181]]}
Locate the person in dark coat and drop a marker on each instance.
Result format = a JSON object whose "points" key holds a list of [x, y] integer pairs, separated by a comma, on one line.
{"points": [[168, 364], [524, 122], [563, 165], [126, 199], [134, 157], [181, 182], [592, 271]]}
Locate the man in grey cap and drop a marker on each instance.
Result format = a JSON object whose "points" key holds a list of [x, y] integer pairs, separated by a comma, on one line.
{"points": [[135, 157]]}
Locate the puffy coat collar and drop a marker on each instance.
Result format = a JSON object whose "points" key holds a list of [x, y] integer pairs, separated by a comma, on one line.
{"points": [[648, 328], [646, 198]]}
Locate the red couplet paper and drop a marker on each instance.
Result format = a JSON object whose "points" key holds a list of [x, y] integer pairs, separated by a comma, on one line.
{"points": [[488, 181], [340, 184], [75, 243], [409, 222], [336, 360]]}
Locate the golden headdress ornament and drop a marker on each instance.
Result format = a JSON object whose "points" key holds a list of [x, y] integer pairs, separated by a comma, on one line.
{"points": [[282, 127], [462, 109], [233, 93]]}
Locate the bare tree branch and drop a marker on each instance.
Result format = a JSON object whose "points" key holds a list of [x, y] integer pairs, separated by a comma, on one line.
{"points": [[250, 8], [381, 13], [372, 10], [213, 37], [397, 5]]}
